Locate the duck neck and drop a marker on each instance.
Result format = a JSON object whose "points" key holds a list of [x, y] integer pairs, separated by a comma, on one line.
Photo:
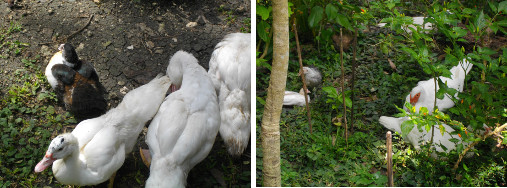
{"points": [[67, 169], [166, 175]]}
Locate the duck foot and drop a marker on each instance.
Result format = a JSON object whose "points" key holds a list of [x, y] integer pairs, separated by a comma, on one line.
{"points": [[111, 181], [145, 156]]}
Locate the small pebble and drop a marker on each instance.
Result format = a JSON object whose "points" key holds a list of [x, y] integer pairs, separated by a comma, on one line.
{"points": [[150, 44], [121, 82], [131, 47], [191, 24], [124, 90]]}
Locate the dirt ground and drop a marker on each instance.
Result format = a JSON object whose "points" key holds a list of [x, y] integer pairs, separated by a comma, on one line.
{"points": [[129, 42]]}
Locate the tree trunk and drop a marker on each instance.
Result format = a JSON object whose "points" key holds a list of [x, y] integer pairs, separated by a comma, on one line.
{"points": [[270, 129]]}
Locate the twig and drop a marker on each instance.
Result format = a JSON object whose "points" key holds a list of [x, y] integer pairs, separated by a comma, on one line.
{"points": [[389, 145], [496, 131], [343, 88], [267, 45], [353, 80], [71, 35], [302, 76]]}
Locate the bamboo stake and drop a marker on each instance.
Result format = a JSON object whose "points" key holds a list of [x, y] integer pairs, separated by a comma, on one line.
{"points": [[302, 76], [389, 146]]}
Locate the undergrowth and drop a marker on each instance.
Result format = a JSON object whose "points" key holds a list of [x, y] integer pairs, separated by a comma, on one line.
{"points": [[324, 158]]}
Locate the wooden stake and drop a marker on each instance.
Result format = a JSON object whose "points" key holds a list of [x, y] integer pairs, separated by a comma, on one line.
{"points": [[389, 146], [302, 76]]}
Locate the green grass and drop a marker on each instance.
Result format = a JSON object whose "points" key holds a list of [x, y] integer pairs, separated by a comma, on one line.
{"points": [[27, 122], [313, 160]]}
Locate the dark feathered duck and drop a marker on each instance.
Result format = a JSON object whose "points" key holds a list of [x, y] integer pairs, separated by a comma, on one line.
{"points": [[82, 96]]}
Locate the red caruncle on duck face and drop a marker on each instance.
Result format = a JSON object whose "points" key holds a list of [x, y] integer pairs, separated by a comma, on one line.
{"points": [[415, 98]]}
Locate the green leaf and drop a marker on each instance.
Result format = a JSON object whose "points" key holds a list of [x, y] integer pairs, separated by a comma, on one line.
{"points": [[493, 7], [331, 92], [502, 7], [262, 11], [50, 110], [260, 100], [263, 30], [406, 127], [315, 16], [331, 11], [391, 5], [343, 21], [502, 23], [480, 22], [442, 129]]}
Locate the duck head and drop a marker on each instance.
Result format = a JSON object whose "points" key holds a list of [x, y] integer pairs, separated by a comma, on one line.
{"points": [[69, 55], [305, 71], [61, 146], [415, 95], [176, 67]]}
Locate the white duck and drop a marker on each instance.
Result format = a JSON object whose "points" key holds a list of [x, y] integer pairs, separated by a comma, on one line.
{"points": [[423, 95], [417, 138], [230, 73], [416, 21], [313, 77], [184, 129], [97, 147], [292, 98]]}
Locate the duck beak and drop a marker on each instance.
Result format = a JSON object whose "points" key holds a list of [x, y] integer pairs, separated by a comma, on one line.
{"points": [[174, 88], [61, 47], [45, 162]]}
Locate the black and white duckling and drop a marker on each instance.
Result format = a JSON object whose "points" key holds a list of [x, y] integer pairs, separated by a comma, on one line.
{"points": [[67, 55], [82, 96]]}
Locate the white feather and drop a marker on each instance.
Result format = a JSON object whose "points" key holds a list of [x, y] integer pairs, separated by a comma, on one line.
{"points": [[427, 88], [97, 147], [56, 59], [230, 72], [292, 98], [417, 138], [184, 129]]}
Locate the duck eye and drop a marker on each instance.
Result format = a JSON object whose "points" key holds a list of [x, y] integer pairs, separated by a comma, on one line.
{"points": [[60, 149]]}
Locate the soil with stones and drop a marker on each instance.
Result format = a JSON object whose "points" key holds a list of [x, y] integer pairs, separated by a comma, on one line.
{"points": [[129, 42]]}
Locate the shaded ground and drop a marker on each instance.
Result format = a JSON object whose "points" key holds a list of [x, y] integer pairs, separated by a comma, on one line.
{"points": [[129, 42]]}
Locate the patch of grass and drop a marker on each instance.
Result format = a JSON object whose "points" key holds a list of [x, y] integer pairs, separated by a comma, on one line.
{"points": [[7, 44], [246, 25], [28, 120]]}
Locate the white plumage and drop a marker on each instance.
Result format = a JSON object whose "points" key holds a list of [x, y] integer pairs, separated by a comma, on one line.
{"points": [[313, 77], [423, 95], [96, 148], [417, 138], [230, 73], [416, 21], [292, 98], [56, 59], [184, 129]]}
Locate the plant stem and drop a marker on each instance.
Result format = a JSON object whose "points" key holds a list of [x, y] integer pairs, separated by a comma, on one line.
{"points": [[343, 88], [302, 75], [353, 80], [496, 131]]}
